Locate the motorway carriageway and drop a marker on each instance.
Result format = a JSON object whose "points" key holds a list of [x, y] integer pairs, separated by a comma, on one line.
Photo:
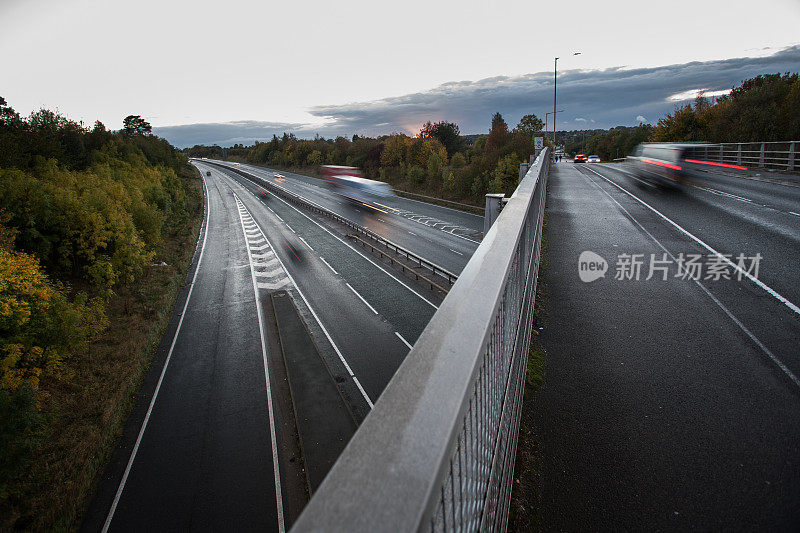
{"points": [[670, 404], [211, 442], [444, 236]]}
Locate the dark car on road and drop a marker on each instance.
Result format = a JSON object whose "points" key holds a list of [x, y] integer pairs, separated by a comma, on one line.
{"points": [[579, 158]]}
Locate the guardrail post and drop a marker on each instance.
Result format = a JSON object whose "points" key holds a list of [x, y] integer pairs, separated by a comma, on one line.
{"points": [[523, 169], [761, 156], [739, 154], [792, 152], [494, 203]]}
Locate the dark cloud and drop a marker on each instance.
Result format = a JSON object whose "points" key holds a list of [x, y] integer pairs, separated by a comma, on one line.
{"points": [[602, 98]]}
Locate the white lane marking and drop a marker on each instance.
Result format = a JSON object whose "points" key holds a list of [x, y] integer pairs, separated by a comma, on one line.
{"points": [[403, 214], [736, 268], [724, 309], [402, 339], [277, 215], [325, 331], [795, 214], [353, 248], [304, 242], [722, 193], [412, 233], [358, 252], [455, 252], [361, 298], [273, 435], [442, 207], [290, 228], [128, 467], [328, 265]]}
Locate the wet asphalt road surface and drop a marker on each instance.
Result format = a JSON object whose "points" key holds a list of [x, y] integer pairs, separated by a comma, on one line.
{"points": [[669, 404]]}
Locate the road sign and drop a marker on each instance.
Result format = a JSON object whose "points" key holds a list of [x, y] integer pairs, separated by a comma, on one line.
{"points": [[538, 143]]}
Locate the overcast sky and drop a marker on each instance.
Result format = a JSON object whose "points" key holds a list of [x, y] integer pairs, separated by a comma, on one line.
{"points": [[235, 71]]}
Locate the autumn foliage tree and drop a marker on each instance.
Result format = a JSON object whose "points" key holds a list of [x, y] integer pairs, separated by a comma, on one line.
{"points": [[82, 213], [764, 108]]}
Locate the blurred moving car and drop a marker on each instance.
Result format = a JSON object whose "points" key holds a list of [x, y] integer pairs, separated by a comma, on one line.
{"points": [[659, 163], [593, 159], [579, 158], [348, 183]]}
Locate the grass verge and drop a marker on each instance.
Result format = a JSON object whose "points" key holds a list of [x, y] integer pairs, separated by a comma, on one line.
{"points": [[85, 416], [525, 509]]}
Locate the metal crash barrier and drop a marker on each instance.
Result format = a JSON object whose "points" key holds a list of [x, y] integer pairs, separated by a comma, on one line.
{"points": [[437, 451], [771, 155]]}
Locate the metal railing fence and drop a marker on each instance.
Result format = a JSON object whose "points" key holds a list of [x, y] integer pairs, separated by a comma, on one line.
{"points": [[437, 451], [771, 155]]}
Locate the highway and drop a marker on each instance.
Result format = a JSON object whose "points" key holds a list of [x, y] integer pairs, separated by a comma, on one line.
{"points": [[445, 236], [670, 403], [213, 438]]}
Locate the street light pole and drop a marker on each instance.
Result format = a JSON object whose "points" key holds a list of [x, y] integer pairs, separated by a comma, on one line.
{"points": [[546, 115], [555, 93]]}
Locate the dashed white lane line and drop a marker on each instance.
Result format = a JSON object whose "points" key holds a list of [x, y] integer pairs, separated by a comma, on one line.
{"points": [[455, 251], [412, 233], [328, 265], [328, 336], [795, 214], [361, 298], [358, 252], [304, 242], [277, 215], [290, 228], [402, 339], [339, 354]]}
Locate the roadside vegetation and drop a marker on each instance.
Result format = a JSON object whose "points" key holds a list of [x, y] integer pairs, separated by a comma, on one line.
{"points": [[437, 161], [764, 108], [96, 229]]}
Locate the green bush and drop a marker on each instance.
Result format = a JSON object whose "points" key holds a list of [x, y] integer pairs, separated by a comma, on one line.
{"points": [[21, 429]]}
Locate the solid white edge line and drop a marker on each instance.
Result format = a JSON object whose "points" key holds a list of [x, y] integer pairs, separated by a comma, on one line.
{"points": [[402, 339], [321, 325], [441, 206], [736, 268], [128, 467], [259, 311], [361, 298], [328, 265], [719, 304]]}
